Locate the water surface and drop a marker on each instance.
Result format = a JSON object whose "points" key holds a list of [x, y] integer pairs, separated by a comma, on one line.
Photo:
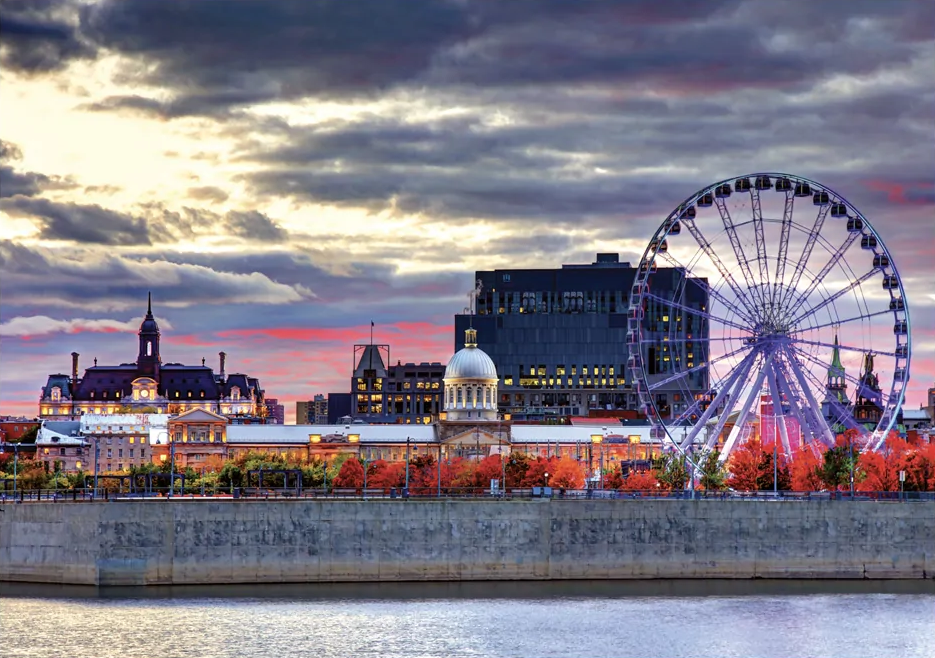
{"points": [[666, 618]]}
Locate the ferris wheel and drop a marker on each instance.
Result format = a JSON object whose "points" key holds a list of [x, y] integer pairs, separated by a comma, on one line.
{"points": [[767, 306]]}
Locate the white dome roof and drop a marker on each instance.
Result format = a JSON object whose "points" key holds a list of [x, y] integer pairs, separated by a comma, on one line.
{"points": [[471, 363]]}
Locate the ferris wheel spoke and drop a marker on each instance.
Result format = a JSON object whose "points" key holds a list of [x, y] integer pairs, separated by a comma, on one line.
{"points": [[737, 429], [838, 323], [818, 278], [806, 253], [737, 247], [695, 406], [761, 257], [694, 311], [850, 348], [841, 414], [719, 264], [712, 292], [783, 245], [808, 357], [740, 369], [701, 366], [853, 284]]}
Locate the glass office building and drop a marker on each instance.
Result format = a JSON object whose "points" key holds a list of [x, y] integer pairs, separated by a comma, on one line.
{"points": [[559, 338]]}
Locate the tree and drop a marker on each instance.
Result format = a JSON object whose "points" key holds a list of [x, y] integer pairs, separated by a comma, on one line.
{"points": [[640, 481], [351, 475], [806, 471], [751, 468], [567, 474], [535, 474], [516, 467], [713, 472], [672, 471]]}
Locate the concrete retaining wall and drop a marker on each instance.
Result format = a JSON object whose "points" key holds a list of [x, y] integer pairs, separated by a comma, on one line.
{"points": [[194, 542]]}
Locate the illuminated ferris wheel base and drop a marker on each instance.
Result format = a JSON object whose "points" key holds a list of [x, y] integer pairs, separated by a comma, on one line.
{"points": [[771, 278]]}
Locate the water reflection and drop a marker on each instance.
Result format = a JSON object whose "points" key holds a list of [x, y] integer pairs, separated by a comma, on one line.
{"points": [[403, 620]]}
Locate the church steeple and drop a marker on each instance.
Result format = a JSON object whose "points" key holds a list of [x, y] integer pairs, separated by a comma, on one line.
{"points": [[835, 388], [148, 359]]}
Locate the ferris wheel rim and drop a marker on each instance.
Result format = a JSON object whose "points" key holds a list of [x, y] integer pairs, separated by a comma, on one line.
{"points": [[896, 394]]}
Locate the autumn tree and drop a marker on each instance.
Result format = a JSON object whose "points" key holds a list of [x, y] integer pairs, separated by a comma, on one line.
{"points": [[672, 471], [351, 475], [806, 471], [640, 481], [567, 474]]}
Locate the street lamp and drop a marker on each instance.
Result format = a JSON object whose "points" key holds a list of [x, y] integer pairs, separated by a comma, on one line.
{"points": [[15, 467], [546, 478], [596, 440]]}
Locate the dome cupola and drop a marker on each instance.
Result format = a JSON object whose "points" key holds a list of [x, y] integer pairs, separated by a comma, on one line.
{"points": [[471, 383]]}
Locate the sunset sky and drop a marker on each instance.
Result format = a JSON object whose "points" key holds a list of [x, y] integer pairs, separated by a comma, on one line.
{"points": [[280, 174]]}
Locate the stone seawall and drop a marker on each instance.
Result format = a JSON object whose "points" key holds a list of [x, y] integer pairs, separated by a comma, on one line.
{"points": [[196, 542]]}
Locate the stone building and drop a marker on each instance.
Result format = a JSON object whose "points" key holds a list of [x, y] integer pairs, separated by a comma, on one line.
{"points": [[148, 385]]}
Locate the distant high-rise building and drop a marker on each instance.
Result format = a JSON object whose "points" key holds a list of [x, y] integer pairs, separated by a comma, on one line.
{"points": [[312, 412], [275, 412], [559, 338]]}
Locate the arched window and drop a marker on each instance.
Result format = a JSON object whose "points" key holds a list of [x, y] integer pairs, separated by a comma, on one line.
{"points": [[149, 348], [56, 394], [487, 395], [235, 392], [460, 396]]}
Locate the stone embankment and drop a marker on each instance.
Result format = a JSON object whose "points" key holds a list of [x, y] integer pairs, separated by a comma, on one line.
{"points": [[195, 542]]}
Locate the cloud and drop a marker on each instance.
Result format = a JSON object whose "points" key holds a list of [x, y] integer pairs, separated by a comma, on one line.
{"points": [[39, 325], [82, 223], [208, 193], [40, 36], [25, 183], [80, 274]]}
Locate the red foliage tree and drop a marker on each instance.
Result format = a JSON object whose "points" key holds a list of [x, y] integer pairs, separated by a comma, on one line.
{"points": [[351, 475], [806, 471], [384, 475], [487, 469], [535, 474], [744, 465], [566, 474], [640, 481]]}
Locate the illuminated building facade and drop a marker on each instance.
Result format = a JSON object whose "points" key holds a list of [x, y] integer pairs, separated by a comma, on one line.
{"points": [[149, 386], [406, 394]]}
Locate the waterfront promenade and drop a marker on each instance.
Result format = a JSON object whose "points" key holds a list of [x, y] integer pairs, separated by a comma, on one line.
{"points": [[160, 542]]}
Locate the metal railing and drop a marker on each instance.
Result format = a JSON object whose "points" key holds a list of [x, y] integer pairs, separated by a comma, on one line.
{"points": [[432, 493]]}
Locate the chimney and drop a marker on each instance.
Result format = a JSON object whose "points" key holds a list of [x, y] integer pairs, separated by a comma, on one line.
{"points": [[74, 368], [223, 356]]}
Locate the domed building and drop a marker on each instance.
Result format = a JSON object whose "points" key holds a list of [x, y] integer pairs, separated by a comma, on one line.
{"points": [[471, 383]]}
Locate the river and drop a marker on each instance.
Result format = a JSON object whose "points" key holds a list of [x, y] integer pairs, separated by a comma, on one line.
{"points": [[720, 619]]}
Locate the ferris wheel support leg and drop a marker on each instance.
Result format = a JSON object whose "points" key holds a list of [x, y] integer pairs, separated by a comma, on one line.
{"points": [[722, 420], [737, 429], [742, 367], [803, 384], [809, 412], [778, 417], [805, 421]]}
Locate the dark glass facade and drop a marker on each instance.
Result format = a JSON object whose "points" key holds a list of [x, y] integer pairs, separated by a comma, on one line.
{"points": [[559, 338]]}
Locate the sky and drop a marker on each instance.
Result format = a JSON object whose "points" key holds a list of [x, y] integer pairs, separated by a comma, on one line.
{"points": [[282, 174]]}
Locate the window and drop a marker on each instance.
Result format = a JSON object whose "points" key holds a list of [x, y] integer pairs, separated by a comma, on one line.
{"points": [[61, 451], [120, 452], [131, 453], [149, 348]]}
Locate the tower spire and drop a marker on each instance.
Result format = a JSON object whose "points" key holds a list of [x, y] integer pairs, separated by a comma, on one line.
{"points": [[149, 303], [836, 355]]}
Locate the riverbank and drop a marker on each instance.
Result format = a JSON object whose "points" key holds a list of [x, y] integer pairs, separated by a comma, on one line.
{"points": [[186, 542]]}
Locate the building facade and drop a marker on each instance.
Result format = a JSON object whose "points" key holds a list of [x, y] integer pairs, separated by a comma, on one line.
{"points": [[148, 385], [406, 394], [314, 411], [275, 412], [558, 338], [198, 439]]}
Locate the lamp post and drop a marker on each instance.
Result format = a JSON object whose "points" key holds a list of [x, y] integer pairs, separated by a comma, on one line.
{"points": [[546, 478], [407, 466], [850, 460], [97, 462], [366, 455], [15, 467], [171, 464], [438, 490], [902, 482], [596, 440]]}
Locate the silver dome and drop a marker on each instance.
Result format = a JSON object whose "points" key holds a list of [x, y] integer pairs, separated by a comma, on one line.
{"points": [[471, 363]]}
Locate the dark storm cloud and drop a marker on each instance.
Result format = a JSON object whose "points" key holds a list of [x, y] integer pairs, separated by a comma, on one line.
{"points": [[81, 273], [82, 223], [25, 183], [191, 223], [259, 51], [40, 36]]}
